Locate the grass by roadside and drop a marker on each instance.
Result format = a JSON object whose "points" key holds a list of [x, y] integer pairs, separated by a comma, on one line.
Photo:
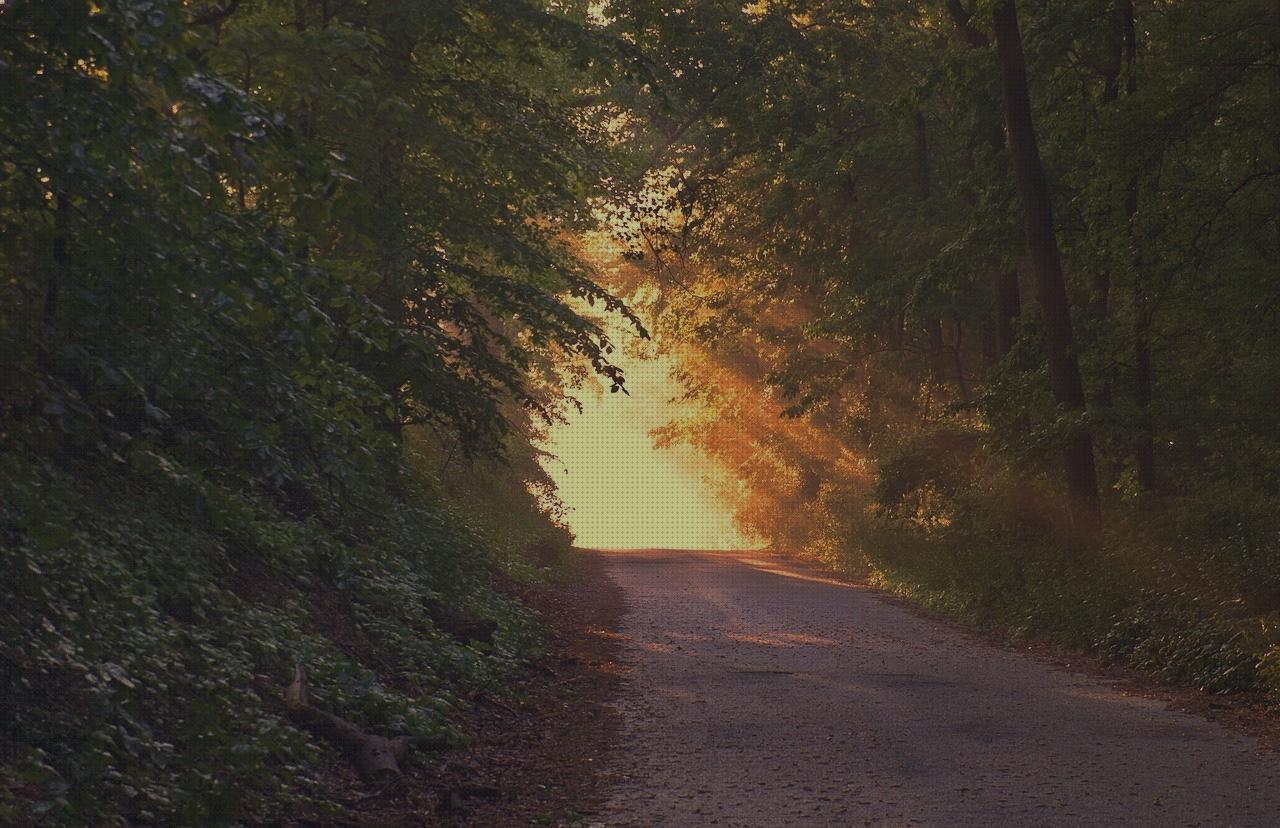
{"points": [[1157, 609]]}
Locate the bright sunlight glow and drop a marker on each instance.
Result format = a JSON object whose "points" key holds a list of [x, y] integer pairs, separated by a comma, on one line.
{"points": [[622, 492]]}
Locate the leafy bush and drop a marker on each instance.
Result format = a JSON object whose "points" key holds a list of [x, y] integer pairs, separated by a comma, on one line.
{"points": [[146, 650], [248, 250], [1163, 599]]}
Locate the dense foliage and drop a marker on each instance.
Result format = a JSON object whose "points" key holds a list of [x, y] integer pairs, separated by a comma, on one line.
{"points": [[978, 296], [278, 279], [842, 214]]}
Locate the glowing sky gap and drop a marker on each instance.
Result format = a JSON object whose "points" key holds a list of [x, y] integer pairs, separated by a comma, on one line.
{"points": [[622, 492]]}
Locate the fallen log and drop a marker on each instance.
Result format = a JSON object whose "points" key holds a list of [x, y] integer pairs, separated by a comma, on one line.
{"points": [[377, 758]]}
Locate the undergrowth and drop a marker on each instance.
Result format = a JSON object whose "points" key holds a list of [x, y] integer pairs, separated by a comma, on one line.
{"points": [[149, 623], [1179, 595]]}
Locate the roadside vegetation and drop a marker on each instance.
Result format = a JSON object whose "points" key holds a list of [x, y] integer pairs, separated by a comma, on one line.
{"points": [[283, 303]]}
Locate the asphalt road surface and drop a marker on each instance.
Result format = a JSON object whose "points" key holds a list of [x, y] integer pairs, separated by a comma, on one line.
{"points": [[763, 694]]}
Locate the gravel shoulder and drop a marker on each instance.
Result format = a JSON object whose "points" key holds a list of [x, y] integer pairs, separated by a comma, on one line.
{"points": [[763, 693]]}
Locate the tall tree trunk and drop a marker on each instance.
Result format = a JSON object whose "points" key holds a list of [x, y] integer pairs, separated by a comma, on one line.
{"points": [[1144, 451], [1046, 263], [897, 332], [1100, 303], [1007, 303]]}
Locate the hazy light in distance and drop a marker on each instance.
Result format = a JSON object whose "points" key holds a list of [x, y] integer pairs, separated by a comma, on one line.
{"points": [[622, 492]]}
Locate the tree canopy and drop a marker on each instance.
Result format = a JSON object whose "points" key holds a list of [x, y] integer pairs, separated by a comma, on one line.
{"points": [[839, 218], [981, 297], [268, 270]]}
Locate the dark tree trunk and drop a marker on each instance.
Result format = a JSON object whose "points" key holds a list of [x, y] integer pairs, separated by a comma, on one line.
{"points": [[1008, 304], [1100, 302], [60, 273], [1046, 263], [957, 355], [897, 332], [932, 324], [1144, 451], [57, 280], [937, 354], [1119, 59], [1129, 31], [922, 156], [989, 354], [963, 20]]}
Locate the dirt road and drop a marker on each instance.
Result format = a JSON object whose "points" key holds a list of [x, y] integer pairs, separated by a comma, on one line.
{"points": [[764, 695]]}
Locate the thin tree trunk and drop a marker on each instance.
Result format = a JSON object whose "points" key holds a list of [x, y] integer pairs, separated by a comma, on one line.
{"points": [[922, 156], [60, 272], [932, 324], [937, 355], [1100, 303], [1099, 306], [897, 332], [1046, 262], [988, 332], [957, 357], [1144, 451]]}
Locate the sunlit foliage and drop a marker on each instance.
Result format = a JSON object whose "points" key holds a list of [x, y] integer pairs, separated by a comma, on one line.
{"points": [[833, 220]]}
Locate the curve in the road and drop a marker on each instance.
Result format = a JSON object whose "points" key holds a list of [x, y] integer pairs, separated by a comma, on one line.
{"points": [[762, 694]]}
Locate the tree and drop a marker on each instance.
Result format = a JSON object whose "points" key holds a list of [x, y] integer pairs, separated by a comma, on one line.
{"points": [[1046, 263], [253, 253]]}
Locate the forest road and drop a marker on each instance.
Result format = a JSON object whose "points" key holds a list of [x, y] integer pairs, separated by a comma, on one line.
{"points": [[762, 694]]}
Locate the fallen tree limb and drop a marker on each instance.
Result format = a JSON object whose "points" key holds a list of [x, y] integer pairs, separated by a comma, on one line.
{"points": [[377, 758]]}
